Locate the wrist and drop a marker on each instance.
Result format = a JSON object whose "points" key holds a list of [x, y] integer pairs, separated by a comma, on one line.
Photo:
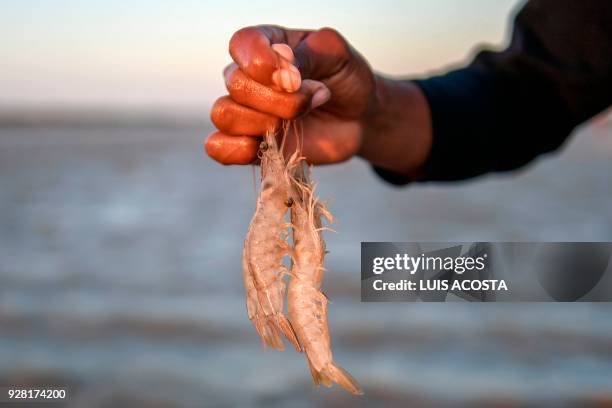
{"points": [[396, 129]]}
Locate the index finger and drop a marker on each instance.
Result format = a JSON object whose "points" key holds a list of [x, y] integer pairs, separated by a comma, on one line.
{"points": [[251, 49]]}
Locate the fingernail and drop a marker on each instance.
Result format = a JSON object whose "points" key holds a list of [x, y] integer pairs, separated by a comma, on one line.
{"points": [[320, 97], [287, 79], [284, 51], [227, 72], [276, 78], [295, 77]]}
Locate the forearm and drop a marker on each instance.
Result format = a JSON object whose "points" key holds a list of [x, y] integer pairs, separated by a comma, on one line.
{"points": [[397, 131], [502, 110]]}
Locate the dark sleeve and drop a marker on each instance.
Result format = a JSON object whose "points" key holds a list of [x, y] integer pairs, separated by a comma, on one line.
{"points": [[506, 108]]}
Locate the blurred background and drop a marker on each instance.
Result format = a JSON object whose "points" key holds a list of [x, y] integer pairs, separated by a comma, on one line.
{"points": [[120, 241]]}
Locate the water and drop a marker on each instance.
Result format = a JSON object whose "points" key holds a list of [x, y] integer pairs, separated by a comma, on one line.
{"points": [[120, 277]]}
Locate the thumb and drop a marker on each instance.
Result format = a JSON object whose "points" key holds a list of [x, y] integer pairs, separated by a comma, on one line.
{"points": [[316, 92]]}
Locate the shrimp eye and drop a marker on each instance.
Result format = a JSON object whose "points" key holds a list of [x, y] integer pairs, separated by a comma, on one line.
{"points": [[263, 146], [289, 202]]}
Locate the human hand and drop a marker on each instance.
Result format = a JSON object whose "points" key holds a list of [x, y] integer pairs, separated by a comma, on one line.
{"points": [[332, 91]]}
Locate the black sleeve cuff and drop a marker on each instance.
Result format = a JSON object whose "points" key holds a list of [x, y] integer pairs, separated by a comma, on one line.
{"points": [[461, 105]]}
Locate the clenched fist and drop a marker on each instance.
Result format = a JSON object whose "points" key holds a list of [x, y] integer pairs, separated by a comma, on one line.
{"points": [[316, 76]]}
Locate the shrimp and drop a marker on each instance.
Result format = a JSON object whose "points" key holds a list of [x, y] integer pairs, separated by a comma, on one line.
{"points": [[265, 246], [307, 303]]}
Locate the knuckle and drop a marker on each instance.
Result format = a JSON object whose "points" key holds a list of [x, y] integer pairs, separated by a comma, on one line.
{"points": [[220, 113], [334, 40], [236, 84], [211, 145], [258, 64], [246, 48], [240, 36], [329, 31]]}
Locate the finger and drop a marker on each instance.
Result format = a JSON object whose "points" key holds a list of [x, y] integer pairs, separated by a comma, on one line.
{"points": [[248, 92], [318, 54], [287, 78], [321, 54], [251, 49], [232, 118], [228, 149]]}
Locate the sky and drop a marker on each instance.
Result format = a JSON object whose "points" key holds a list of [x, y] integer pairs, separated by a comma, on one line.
{"points": [[169, 54]]}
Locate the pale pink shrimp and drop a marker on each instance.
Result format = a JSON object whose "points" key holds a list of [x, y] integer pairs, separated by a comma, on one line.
{"points": [[307, 304], [265, 247]]}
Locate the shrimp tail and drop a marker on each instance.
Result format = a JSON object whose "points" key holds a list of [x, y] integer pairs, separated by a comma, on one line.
{"points": [[333, 373], [317, 377], [340, 376]]}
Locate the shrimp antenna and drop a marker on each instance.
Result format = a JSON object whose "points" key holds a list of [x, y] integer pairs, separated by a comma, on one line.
{"points": [[286, 125], [298, 137], [301, 124]]}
